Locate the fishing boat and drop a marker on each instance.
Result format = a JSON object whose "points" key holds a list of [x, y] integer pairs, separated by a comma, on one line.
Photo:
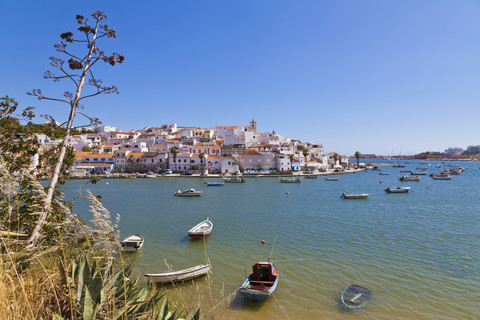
{"points": [[290, 180], [188, 193], [233, 180], [214, 183], [398, 166], [201, 230], [132, 243], [331, 178], [311, 176], [397, 189], [418, 173], [261, 283], [442, 177], [407, 178], [354, 296], [181, 275], [355, 196]]}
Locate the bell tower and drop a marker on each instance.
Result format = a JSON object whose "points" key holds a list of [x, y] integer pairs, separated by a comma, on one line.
{"points": [[253, 125]]}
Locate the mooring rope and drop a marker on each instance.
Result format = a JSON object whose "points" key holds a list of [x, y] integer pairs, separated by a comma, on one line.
{"points": [[286, 314], [220, 302]]}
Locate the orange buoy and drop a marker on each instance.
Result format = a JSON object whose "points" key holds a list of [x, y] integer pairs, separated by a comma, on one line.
{"points": [[263, 241], [380, 181]]}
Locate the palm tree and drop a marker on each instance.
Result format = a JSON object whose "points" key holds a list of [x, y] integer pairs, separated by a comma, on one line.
{"points": [[201, 156], [357, 155], [305, 154], [291, 161], [336, 157], [174, 151]]}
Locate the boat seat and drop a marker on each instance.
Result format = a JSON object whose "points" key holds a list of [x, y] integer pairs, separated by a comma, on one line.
{"points": [[262, 283]]}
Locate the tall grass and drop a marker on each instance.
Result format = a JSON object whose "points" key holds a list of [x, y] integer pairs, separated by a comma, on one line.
{"points": [[76, 272]]}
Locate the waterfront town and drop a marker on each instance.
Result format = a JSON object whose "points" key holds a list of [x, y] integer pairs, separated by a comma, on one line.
{"points": [[189, 150]]}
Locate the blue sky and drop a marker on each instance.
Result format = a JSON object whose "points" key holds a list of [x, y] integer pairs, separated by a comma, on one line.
{"points": [[385, 77]]}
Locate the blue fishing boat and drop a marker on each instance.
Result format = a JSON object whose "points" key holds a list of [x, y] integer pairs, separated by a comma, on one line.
{"points": [[214, 183], [261, 283], [354, 296]]}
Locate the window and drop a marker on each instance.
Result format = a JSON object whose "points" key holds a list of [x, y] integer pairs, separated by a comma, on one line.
{"points": [[229, 163]]}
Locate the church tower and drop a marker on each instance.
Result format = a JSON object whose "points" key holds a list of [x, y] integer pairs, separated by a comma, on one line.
{"points": [[253, 125]]}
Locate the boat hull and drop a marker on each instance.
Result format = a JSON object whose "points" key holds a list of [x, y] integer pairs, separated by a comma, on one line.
{"points": [[355, 196], [181, 275], [355, 297], [201, 230], [257, 294]]}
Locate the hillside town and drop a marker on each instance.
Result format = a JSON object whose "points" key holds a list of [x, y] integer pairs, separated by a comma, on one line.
{"points": [[188, 150]]}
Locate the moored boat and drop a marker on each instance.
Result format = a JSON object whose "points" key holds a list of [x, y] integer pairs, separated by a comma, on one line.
{"points": [[418, 173], [132, 243], [311, 176], [214, 183], [407, 178], [397, 189], [384, 173], [442, 177], [261, 283], [331, 178], [398, 166], [201, 230], [354, 296], [290, 180], [181, 275], [188, 193], [355, 196], [234, 179]]}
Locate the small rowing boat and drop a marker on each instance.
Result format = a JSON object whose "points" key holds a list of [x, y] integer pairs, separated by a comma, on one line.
{"points": [[290, 180], [132, 243], [407, 178], [188, 193], [397, 189], [354, 296], [355, 196], [201, 230], [181, 275], [214, 183], [331, 178], [261, 283]]}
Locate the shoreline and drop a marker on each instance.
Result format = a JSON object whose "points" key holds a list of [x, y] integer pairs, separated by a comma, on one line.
{"points": [[206, 176]]}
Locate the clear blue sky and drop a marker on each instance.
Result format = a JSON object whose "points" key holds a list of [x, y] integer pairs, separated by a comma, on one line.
{"points": [[375, 76]]}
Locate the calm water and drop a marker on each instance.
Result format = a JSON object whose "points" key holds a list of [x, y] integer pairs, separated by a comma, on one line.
{"points": [[418, 252]]}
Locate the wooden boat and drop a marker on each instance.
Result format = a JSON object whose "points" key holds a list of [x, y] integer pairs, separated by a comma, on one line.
{"points": [[354, 296], [442, 177], [188, 193], [355, 196], [132, 243], [181, 275], [290, 180], [261, 283], [397, 189], [234, 180], [331, 178], [311, 176], [407, 178], [398, 166], [201, 230], [214, 183]]}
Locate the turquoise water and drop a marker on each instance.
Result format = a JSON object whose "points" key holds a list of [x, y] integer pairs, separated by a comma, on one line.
{"points": [[418, 252]]}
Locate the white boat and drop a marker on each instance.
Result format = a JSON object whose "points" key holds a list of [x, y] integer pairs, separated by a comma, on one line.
{"points": [[331, 178], [201, 230], [418, 173], [181, 275], [233, 180], [188, 193], [397, 189], [290, 180], [355, 196], [132, 243], [384, 173], [442, 177]]}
